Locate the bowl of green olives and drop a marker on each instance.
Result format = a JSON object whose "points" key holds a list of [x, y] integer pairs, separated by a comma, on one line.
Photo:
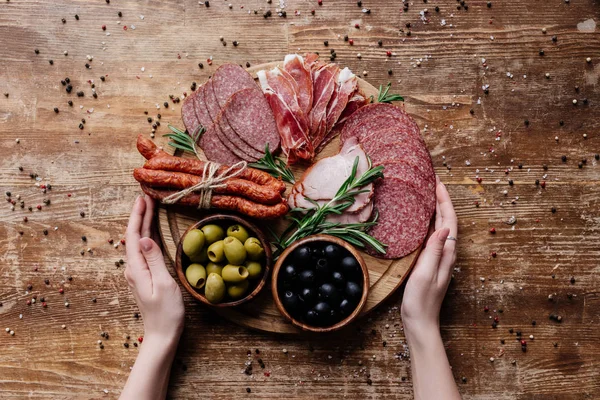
{"points": [[320, 283], [223, 260]]}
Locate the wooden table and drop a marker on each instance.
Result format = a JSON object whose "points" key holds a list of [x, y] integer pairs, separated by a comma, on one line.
{"points": [[544, 264]]}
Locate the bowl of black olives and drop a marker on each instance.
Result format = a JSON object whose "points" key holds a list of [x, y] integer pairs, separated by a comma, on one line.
{"points": [[320, 283], [223, 260]]}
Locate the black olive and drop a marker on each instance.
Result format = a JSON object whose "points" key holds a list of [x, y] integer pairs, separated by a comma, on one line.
{"points": [[322, 268], [332, 252], [291, 302], [302, 254], [289, 273], [328, 293], [353, 291], [351, 267], [316, 253], [307, 277], [338, 279], [311, 317], [323, 310], [309, 296], [346, 307]]}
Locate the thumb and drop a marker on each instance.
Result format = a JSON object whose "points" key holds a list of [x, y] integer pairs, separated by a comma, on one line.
{"points": [[431, 255], [154, 257]]}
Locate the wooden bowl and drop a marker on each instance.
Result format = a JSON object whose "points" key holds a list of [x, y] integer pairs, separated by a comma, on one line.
{"points": [[321, 238], [223, 220]]}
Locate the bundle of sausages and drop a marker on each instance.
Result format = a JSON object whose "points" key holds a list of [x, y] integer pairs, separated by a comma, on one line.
{"points": [[251, 192]]}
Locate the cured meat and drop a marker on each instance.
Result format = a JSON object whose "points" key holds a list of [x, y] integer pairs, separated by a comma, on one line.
{"points": [[322, 180], [214, 149], [324, 83], [228, 79], [399, 151], [294, 65], [210, 101], [424, 182], [288, 116], [201, 108], [249, 116], [233, 142], [233, 186], [404, 217], [379, 112], [224, 202], [357, 101], [188, 113], [347, 85]]}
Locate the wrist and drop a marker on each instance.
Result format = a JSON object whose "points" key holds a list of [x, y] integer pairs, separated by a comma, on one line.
{"points": [[161, 344], [420, 332]]}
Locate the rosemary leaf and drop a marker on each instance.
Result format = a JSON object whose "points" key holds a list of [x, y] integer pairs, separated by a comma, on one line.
{"points": [[274, 166], [384, 97]]}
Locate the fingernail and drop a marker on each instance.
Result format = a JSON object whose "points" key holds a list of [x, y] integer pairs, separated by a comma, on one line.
{"points": [[146, 245]]}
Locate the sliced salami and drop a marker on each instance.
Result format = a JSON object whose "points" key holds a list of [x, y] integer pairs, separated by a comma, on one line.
{"points": [[400, 151], [394, 134], [188, 113], [215, 150], [380, 112], [210, 101], [201, 108], [404, 217], [414, 175], [228, 79]]}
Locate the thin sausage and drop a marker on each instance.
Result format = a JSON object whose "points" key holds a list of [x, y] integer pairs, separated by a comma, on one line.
{"points": [[231, 203], [233, 186], [161, 160]]}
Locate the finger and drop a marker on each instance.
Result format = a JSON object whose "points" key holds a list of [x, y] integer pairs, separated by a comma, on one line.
{"points": [[438, 215], [446, 209], [148, 217], [447, 262], [135, 260], [154, 259], [429, 259]]}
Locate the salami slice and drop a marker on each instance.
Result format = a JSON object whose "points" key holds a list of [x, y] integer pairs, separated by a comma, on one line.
{"points": [[228, 79], [215, 150], [249, 115], [404, 217], [412, 174], [234, 142], [210, 101], [375, 126], [382, 112], [201, 108], [188, 113], [400, 151]]}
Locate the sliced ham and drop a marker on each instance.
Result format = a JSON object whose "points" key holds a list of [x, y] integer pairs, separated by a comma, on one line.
{"points": [[294, 65], [352, 218], [322, 180], [291, 122]]}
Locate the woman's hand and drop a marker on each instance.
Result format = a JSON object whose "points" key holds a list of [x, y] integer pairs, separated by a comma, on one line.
{"points": [[155, 291], [425, 290], [429, 280], [159, 300]]}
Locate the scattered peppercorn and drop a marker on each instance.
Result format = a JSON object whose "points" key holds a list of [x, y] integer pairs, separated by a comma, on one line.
{"points": [[51, 62], [37, 51]]}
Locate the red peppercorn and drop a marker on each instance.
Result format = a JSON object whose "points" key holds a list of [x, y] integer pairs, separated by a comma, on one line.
{"points": [[351, 41], [479, 179], [61, 290], [103, 27], [44, 304], [543, 184], [68, 194], [496, 319], [494, 254], [486, 309], [39, 207], [125, 27], [122, 241], [523, 343], [110, 241], [320, 2], [141, 339], [388, 53], [492, 230], [28, 302], [357, 26]]}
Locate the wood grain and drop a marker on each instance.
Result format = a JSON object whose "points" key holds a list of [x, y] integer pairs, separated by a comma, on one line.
{"points": [[94, 166]]}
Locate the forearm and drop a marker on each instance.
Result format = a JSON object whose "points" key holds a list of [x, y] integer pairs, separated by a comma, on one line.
{"points": [[149, 377], [431, 373]]}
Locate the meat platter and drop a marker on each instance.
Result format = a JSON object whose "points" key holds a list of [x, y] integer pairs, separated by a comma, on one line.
{"points": [[414, 181]]}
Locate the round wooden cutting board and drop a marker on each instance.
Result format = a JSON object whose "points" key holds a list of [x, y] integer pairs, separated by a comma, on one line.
{"points": [[385, 276]]}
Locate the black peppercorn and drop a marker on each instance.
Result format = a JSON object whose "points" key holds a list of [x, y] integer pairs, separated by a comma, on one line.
{"points": [[561, 122], [390, 72], [120, 14], [359, 3], [326, 43], [380, 43], [580, 165], [69, 88], [64, 21], [51, 62], [95, 95], [437, 9], [80, 93], [489, 4], [166, 105], [37, 51], [510, 182], [526, 122], [554, 39], [541, 52], [45, 232], [80, 126], [70, 103], [207, 4], [149, 119], [545, 167], [564, 158], [537, 182]]}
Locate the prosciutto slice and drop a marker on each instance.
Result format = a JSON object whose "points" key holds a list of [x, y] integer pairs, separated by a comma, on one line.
{"points": [[323, 179], [324, 83], [346, 86], [294, 65], [280, 89]]}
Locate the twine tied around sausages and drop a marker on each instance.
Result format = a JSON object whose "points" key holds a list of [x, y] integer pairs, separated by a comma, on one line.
{"points": [[210, 181]]}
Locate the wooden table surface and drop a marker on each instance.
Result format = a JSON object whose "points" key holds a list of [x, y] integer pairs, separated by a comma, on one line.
{"points": [[487, 101]]}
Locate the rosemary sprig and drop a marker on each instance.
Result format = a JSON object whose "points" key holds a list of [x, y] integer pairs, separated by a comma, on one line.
{"points": [[274, 166], [385, 97], [182, 141], [314, 221]]}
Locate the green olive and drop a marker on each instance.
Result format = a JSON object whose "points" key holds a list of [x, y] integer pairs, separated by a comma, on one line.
{"points": [[254, 249], [212, 267], [196, 275], [212, 233], [215, 288], [193, 243], [234, 250], [201, 257], [215, 252], [254, 269], [238, 232], [238, 291], [234, 273]]}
